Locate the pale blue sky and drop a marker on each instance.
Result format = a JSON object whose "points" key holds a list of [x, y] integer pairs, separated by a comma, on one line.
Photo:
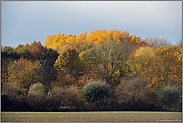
{"points": [[27, 21]]}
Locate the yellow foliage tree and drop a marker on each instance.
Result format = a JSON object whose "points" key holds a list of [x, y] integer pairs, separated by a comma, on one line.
{"points": [[167, 69], [23, 73], [57, 42], [141, 60]]}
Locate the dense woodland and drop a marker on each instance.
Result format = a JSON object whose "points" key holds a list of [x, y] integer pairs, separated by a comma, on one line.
{"points": [[102, 70]]}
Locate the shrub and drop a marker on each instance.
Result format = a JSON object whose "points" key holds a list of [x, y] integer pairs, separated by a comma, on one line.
{"points": [[134, 89], [8, 104], [12, 92], [65, 97], [95, 91], [13, 98], [169, 95], [36, 97], [9, 90], [37, 88], [37, 101]]}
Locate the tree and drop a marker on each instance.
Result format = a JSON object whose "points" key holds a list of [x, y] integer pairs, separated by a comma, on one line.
{"points": [[157, 41], [23, 72], [166, 68], [8, 52], [38, 50], [4, 65], [109, 56], [69, 59], [63, 81], [47, 61], [8, 55], [60, 41], [49, 57], [32, 51], [25, 53], [141, 60], [19, 48]]}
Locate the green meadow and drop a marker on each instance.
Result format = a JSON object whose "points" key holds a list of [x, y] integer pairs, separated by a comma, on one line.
{"points": [[107, 116]]}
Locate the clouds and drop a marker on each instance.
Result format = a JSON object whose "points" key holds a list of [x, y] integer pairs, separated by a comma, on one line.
{"points": [[27, 21]]}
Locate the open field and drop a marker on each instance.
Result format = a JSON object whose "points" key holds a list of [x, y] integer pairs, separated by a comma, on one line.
{"points": [[107, 116]]}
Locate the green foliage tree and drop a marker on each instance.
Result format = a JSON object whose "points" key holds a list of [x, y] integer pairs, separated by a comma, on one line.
{"points": [[69, 59], [8, 52], [109, 56], [94, 91], [19, 47], [49, 57], [89, 58], [25, 53], [47, 61]]}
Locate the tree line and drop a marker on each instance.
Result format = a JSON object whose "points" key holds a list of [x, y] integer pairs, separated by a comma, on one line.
{"points": [[104, 70]]}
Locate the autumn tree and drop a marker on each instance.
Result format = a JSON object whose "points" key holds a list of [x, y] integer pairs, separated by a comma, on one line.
{"points": [[4, 66], [141, 60], [23, 72], [38, 50], [63, 81], [60, 41], [166, 69], [31, 51], [8, 55]]}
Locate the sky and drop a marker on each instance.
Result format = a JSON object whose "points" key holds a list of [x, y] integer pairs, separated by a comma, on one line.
{"points": [[23, 22]]}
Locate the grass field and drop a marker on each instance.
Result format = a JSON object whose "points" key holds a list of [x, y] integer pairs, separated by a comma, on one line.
{"points": [[108, 116]]}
